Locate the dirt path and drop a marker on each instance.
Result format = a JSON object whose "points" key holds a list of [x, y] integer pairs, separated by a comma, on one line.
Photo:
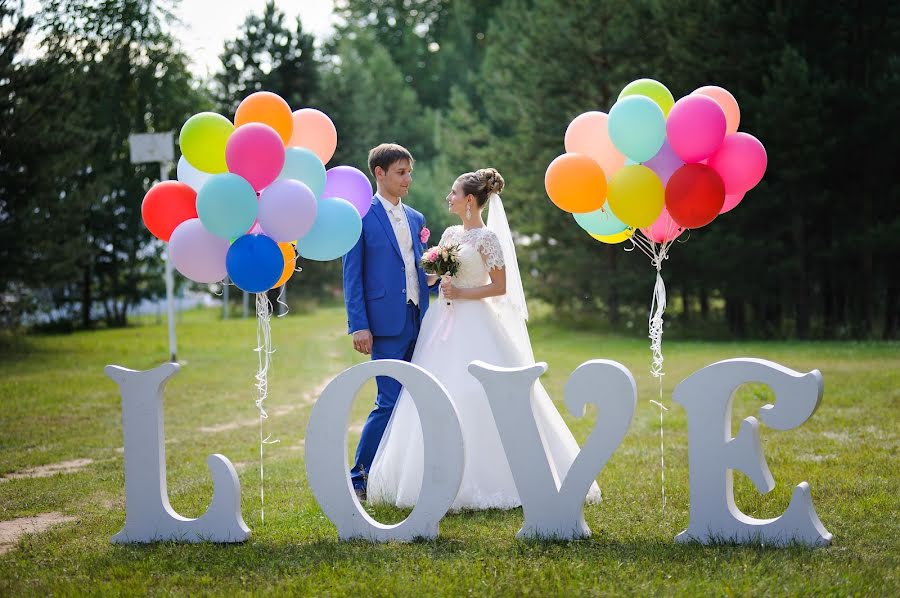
{"points": [[11, 531], [45, 471]]}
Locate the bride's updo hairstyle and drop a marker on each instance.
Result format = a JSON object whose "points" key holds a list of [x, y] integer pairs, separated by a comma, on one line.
{"points": [[481, 184]]}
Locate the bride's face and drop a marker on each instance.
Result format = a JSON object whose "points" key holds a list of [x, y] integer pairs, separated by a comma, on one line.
{"points": [[457, 202]]}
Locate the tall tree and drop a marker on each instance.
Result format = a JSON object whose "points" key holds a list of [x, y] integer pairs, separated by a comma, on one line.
{"points": [[118, 73], [268, 55]]}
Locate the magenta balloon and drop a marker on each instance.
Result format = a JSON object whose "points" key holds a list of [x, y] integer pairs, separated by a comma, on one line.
{"points": [[663, 228], [351, 184], [287, 210], [255, 151], [740, 161], [695, 127], [197, 253], [731, 202], [665, 162]]}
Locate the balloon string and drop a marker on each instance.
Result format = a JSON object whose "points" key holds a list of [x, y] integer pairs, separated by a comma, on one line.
{"points": [[281, 301], [662, 447], [263, 351]]}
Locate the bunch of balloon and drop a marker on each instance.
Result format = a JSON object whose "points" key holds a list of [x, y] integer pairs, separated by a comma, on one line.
{"points": [[649, 170], [251, 197]]}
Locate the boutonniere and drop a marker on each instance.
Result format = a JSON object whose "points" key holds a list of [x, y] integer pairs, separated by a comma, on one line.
{"points": [[424, 234]]}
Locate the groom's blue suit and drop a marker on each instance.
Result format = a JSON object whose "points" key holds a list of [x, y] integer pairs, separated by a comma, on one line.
{"points": [[376, 299]]}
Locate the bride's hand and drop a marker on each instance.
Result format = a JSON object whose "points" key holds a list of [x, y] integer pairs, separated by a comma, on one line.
{"points": [[449, 291]]}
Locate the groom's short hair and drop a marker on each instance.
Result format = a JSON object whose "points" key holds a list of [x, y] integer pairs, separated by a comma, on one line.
{"points": [[386, 154]]}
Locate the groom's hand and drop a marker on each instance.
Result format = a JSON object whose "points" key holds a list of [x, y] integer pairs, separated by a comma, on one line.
{"points": [[362, 341]]}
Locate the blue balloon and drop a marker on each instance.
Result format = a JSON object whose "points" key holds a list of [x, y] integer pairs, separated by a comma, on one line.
{"points": [[334, 233], [305, 166], [600, 222], [637, 127], [254, 263], [226, 205]]}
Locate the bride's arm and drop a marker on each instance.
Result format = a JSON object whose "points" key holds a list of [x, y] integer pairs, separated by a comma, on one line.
{"points": [[496, 287]]}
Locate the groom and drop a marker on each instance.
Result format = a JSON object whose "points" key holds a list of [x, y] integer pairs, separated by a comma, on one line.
{"points": [[385, 289]]}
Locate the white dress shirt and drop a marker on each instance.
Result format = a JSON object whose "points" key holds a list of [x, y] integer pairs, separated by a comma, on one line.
{"points": [[397, 216]]}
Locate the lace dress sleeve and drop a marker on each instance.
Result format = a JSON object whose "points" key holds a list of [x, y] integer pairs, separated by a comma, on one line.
{"points": [[490, 249], [449, 236]]}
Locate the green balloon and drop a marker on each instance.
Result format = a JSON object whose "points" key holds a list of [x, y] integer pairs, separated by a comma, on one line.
{"points": [[203, 138], [654, 90], [600, 222]]}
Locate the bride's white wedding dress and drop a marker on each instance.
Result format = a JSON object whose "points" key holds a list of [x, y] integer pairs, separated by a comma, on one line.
{"points": [[450, 338]]}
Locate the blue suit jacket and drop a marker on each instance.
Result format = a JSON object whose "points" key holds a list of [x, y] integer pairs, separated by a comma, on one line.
{"points": [[375, 276]]}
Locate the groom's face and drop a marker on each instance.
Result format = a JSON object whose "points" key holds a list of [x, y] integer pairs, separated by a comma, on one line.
{"points": [[396, 181]]}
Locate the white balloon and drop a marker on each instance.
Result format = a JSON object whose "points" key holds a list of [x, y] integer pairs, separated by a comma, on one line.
{"points": [[189, 175]]}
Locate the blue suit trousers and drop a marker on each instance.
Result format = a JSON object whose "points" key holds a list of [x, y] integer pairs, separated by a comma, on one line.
{"points": [[401, 347]]}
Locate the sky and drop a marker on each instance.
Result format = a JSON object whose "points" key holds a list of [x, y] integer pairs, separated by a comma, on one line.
{"points": [[206, 24]]}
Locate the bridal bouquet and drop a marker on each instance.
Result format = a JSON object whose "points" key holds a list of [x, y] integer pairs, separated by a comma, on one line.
{"points": [[441, 260]]}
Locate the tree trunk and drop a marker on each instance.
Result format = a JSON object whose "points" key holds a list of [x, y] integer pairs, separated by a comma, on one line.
{"points": [[704, 303], [685, 304], [735, 316], [801, 279], [613, 295], [87, 301], [891, 309]]}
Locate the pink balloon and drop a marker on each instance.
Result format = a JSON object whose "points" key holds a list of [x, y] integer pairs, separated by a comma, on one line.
{"points": [[256, 152], [731, 202], [728, 104], [588, 134], [287, 210], [740, 161], [314, 131], [351, 184], [197, 253], [695, 127], [663, 229]]}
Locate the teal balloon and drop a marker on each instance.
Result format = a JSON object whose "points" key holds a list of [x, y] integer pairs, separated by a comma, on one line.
{"points": [[600, 222], [305, 166], [334, 233], [226, 205], [637, 127]]}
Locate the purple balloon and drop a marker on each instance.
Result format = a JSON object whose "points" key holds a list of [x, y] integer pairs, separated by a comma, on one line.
{"points": [[287, 210], [351, 184], [255, 151], [664, 163], [197, 253]]}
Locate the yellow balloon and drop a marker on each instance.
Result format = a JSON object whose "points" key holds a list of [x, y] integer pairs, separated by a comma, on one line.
{"points": [[616, 238], [203, 139], [654, 90], [636, 195]]}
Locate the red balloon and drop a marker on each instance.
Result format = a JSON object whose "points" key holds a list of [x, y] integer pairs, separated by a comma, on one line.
{"points": [[167, 205], [694, 195]]}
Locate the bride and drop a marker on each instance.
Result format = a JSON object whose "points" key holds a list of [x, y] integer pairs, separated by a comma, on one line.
{"points": [[481, 316]]}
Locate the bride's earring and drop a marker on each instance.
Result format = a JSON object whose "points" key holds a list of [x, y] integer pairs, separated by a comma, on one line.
{"points": [[468, 211]]}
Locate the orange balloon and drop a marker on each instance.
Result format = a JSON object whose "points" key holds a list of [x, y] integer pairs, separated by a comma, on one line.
{"points": [[267, 108], [728, 104], [314, 131], [576, 183], [290, 263], [588, 134]]}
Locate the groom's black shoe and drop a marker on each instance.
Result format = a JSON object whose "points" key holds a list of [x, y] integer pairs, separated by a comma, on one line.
{"points": [[361, 494]]}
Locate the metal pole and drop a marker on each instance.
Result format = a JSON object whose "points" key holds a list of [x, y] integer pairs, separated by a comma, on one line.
{"points": [[170, 284], [246, 304]]}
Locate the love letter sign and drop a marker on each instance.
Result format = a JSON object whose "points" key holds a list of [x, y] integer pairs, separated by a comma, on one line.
{"points": [[552, 507]]}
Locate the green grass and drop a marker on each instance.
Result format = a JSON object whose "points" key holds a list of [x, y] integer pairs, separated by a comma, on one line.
{"points": [[57, 405]]}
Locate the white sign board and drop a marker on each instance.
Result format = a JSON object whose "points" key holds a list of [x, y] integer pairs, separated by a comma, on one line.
{"points": [[151, 147]]}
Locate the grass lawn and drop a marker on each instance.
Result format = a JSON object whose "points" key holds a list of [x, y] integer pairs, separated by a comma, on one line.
{"points": [[57, 406]]}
